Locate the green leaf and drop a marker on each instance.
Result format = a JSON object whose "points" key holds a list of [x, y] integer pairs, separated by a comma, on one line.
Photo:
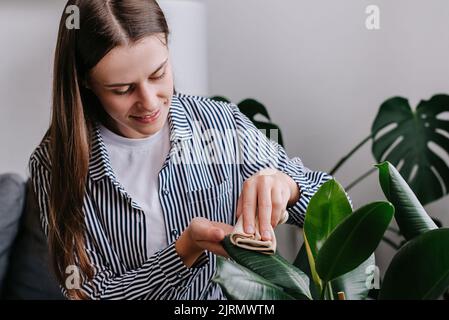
{"points": [[220, 98], [239, 283], [302, 263], [356, 284], [315, 277], [354, 240], [410, 215], [252, 108], [420, 269], [273, 268], [415, 131], [328, 207]]}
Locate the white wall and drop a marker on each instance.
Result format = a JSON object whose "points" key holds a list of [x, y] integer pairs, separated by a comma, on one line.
{"points": [[323, 75], [28, 32], [316, 67]]}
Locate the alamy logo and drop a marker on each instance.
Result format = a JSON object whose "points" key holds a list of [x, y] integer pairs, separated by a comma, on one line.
{"points": [[372, 21], [73, 20], [372, 277], [73, 280]]}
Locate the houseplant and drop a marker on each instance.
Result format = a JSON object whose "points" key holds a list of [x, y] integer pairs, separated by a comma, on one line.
{"points": [[337, 256], [411, 140]]}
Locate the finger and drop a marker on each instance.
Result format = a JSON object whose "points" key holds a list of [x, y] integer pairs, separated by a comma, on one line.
{"points": [[278, 206], [239, 206], [227, 228], [285, 197], [215, 234], [264, 207], [249, 200], [213, 247], [202, 229]]}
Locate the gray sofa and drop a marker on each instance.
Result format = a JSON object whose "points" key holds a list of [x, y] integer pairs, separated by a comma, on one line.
{"points": [[24, 265]]}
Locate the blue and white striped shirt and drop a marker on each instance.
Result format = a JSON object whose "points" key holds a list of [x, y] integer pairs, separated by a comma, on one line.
{"points": [[214, 148]]}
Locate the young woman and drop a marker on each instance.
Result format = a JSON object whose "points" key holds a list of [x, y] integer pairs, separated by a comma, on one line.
{"points": [[138, 184]]}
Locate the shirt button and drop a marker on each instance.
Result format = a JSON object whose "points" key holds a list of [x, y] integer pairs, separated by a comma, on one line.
{"points": [[166, 192], [174, 232]]}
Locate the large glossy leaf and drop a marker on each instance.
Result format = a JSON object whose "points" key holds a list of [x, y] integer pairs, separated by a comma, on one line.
{"points": [[354, 240], [420, 269], [356, 284], [423, 169], [316, 279], [302, 262], [239, 283], [410, 215], [273, 268], [328, 207]]}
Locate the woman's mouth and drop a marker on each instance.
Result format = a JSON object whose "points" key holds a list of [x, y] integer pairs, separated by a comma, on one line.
{"points": [[147, 118]]}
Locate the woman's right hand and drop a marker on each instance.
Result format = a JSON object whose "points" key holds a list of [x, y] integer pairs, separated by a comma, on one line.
{"points": [[202, 234]]}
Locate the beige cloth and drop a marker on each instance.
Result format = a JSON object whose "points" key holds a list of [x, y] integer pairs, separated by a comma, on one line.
{"points": [[254, 241]]}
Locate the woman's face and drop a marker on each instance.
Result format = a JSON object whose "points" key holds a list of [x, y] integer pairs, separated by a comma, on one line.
{"points": [[135, 86]]}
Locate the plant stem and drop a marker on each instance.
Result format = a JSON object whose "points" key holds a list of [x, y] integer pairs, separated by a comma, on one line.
{"points": [[343, 160], [323, 292], [326, 293], [363, 176], [330, 291]]}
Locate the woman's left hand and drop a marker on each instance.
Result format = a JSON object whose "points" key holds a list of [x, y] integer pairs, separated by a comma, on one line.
{"points": [[268, 193]]}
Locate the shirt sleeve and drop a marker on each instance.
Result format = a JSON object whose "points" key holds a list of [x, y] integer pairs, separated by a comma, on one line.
{"points": [[162, 276], [257, 152]]}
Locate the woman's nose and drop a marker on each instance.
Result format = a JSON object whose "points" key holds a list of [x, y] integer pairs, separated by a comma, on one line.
{"points": [[148, 98]]}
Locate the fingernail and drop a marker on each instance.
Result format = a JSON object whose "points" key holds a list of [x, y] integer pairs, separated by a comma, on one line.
{"points": [[249, 229], [266, 235]]}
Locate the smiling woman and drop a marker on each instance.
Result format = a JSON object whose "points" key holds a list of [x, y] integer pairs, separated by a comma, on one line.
{"points": [[115, 201], [134, 85]]}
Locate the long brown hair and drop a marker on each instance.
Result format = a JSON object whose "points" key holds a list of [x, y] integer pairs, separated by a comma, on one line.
{"points": [[104, 24]]}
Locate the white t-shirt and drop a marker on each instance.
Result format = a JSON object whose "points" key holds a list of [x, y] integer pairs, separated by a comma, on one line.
{"points": [[136, 164]]}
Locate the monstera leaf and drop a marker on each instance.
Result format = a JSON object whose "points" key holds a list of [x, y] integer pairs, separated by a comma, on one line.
{"points": [[410, 142], [252, 108]]}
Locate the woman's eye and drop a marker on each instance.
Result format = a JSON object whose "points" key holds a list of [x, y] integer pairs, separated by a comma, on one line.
{"points": [[159, 77], [123, 92]]}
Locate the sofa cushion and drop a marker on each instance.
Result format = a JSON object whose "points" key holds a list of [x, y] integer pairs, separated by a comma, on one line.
{"points": [[12, 196], [29, 275]]}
